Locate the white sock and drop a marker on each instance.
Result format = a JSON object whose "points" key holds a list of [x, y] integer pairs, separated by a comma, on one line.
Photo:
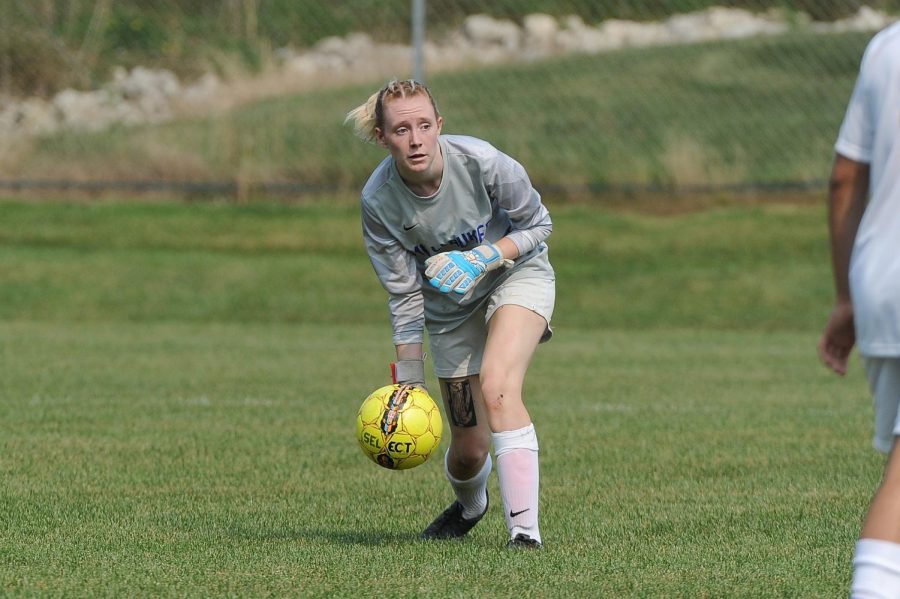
{"points": [[876, 570], [471, 493], [517, 469]]}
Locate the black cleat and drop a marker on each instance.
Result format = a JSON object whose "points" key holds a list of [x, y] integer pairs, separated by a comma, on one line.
{"points": [[523, 541], [451, 524]]}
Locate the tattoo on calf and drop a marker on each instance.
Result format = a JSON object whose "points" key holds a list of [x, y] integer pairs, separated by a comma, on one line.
{"points": [[462, 406]]}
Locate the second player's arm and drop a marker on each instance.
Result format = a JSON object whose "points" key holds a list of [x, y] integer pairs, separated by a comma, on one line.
{"points": [[848, 194]]}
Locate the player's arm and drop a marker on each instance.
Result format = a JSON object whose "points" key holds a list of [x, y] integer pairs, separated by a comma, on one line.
{"points": [[847, 198], [508, 249], [507, 182], [397, 272]]}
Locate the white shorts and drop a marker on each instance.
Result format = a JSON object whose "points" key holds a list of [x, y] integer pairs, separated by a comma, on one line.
{"points": [[884, 381], [458, 353]]}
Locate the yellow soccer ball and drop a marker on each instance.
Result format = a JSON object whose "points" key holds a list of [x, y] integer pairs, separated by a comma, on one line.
{"points": [[399, 427]]}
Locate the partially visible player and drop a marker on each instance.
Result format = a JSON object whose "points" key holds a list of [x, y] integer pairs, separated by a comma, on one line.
{"points": [[455, 232], [864, 222]]}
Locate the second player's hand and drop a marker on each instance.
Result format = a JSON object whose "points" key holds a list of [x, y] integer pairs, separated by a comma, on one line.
{"points": [[838, 338]]}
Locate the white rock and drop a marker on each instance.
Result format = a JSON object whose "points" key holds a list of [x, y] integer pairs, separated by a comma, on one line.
{"points": [[865, 19], [202, 92], [144, 82], [304, 65], [634, 34], [32, 116], [330, 45], [540, 34], [587, 40], [483, 30], [85, 111]]}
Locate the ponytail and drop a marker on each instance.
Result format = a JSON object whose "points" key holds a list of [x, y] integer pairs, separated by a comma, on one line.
{"points": [[363, 118]]}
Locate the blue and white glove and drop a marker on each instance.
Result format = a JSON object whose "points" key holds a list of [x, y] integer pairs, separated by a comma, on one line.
{"points": [[459, 271]]}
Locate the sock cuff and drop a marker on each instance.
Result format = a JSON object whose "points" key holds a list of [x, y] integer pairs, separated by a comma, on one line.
{"points": [[523, 438], [479, 479], [876, 552]]}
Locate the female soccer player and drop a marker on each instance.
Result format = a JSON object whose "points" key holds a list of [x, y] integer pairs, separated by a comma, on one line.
{"points": [[455, 232]]}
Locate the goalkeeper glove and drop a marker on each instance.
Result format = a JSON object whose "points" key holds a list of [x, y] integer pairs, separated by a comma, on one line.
{"points": [[459, 271]]}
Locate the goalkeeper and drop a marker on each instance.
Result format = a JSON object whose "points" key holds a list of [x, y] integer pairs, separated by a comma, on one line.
{"points": [[455, 232]]}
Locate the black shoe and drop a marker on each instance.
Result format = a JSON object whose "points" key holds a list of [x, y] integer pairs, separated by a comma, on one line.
{"points": [[451, 524], [523, 541]]}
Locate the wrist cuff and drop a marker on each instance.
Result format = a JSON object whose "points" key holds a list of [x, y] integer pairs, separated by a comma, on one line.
{"points": [[493, 257], [408, 372]]}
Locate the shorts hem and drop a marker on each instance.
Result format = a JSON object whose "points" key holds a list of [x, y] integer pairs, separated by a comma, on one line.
{"points": [[469, 370], [548, 330], [881, 446]]}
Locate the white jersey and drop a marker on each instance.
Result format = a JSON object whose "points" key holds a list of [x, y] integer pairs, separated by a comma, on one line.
{"points": [[484, 195], [870, 133]]}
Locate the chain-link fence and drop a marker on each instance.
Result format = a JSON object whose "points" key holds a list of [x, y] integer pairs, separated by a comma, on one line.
{"points": [[239, 96]]}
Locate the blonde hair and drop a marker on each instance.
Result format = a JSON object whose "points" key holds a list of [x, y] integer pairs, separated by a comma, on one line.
{"points": [[368, 117]]}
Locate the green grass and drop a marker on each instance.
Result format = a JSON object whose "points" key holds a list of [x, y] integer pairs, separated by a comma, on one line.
{"points": [[758, 267], [761, 111], [180, 383]]}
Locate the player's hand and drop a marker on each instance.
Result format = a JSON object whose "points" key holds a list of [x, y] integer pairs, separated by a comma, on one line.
{"points": [[838, 338], [459, 271]]}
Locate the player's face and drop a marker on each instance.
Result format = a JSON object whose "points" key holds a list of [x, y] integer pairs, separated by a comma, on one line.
{"points": [[410, 133]]}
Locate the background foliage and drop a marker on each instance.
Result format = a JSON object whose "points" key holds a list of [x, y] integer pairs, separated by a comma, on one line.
{"points": [[755, 113], [47, 45]]}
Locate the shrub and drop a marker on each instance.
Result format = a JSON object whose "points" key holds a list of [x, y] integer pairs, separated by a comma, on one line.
{"points": [[32, 62]]}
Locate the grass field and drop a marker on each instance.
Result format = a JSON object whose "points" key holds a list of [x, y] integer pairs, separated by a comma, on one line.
{"points": [[179, 386]]}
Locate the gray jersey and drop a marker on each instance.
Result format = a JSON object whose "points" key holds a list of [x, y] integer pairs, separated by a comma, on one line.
{"points": [[484, 195]]}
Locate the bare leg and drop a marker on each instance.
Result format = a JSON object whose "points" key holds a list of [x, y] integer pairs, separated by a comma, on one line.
{"points": [[513, 335], [470, 435], [883, 519], [876, 559], [467, 463]]}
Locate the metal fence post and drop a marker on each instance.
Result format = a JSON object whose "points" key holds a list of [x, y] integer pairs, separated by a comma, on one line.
{"points": [[418, 39]]}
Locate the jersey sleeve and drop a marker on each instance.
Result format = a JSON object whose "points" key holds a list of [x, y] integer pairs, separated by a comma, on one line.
{"points": [[396, 270], [508, 182], [856, 137]]}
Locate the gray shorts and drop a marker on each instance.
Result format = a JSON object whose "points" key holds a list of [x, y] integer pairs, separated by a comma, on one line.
{"points": [[458, 353], [884, 381]]}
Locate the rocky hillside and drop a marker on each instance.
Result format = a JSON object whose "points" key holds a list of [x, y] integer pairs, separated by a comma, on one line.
{"points": [[146, 95]]}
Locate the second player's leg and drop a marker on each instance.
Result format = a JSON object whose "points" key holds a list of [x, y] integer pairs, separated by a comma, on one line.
{"points": [[876, 559], [883, 519]]}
